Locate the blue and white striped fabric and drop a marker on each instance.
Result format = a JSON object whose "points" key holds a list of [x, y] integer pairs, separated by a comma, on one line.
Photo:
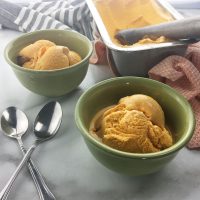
{"points": [[47, 14]]}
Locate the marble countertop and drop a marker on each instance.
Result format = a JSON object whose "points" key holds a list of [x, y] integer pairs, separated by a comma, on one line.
{"points": [[70, 171]]}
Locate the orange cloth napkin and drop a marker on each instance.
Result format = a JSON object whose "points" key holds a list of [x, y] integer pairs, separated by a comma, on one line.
{"points": [[183, 74]]}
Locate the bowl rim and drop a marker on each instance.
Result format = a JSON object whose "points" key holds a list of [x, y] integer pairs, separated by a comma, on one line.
{"points": [[175, 147], [18, 67]]}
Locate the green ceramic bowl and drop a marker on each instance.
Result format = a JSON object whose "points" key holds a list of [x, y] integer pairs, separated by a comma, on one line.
{"points": [[55, 82], [178, 114]]}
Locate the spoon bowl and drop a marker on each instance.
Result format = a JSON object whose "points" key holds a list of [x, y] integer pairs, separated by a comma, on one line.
{"points": [[14, 122], [48, 121]]}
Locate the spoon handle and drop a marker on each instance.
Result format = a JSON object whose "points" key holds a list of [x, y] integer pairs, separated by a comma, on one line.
{"points": [[4, 193], [42, 188]]}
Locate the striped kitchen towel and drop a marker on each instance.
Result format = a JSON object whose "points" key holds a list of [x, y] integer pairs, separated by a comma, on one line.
{"points": [[47, 14]]}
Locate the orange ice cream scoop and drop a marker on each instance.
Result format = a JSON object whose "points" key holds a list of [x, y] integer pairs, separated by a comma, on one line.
{"points": [[136, 124], [46, 55], [54, 57], [27, 57], [132, 131], [73, 57], [30, 50], [147, 105]]}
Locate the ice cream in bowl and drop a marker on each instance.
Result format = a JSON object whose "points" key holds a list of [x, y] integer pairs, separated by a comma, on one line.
{"points": [[46, 55], [50, 62], [134, 125]]}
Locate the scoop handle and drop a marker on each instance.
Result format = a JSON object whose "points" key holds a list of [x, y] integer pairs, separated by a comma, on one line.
{"points": [[188, 28]]}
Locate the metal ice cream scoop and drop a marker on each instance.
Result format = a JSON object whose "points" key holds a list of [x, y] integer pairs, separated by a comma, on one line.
{"points": [[176, 30]]}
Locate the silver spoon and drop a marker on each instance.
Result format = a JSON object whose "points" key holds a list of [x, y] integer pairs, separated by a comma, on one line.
{"points": [[46, 126], [14, 123]]}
